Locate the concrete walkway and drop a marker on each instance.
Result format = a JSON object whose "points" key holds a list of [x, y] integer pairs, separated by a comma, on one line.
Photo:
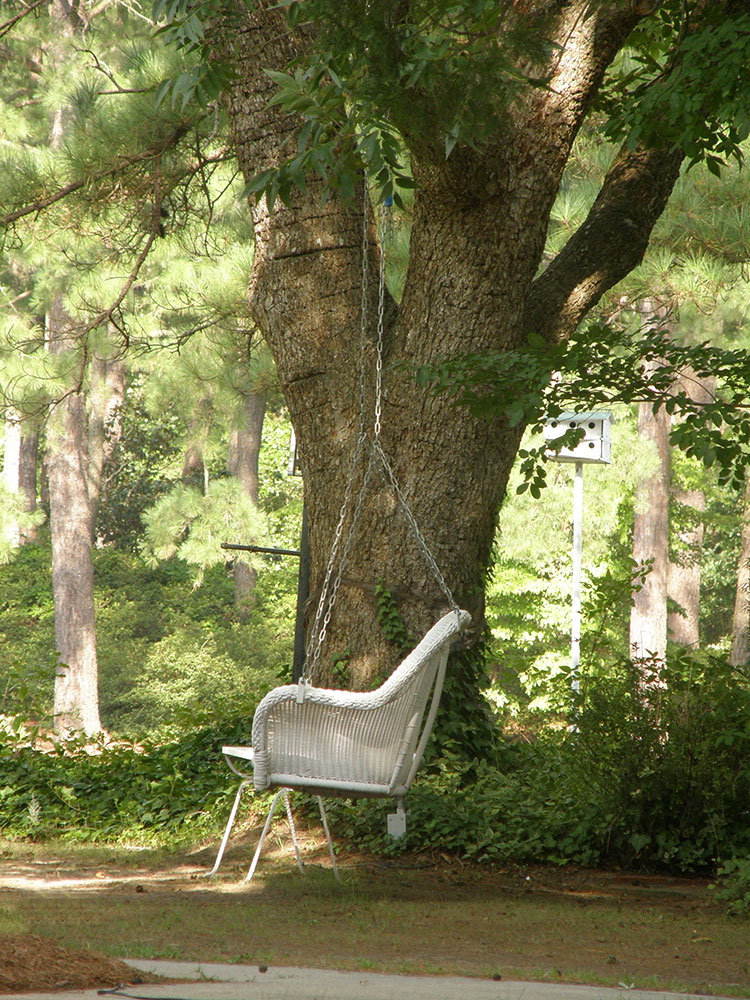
{"points": [[247, 982]]}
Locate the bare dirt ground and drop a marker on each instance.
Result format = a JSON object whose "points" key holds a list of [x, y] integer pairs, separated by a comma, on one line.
{"points": [[414, 915]]}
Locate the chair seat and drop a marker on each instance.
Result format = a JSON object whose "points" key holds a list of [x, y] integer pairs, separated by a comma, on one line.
{"points": [[245, 753], [239, 753]]}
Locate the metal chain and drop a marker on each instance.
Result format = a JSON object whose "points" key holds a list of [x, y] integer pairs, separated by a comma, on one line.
{"points": [[313, 655], [429, 558], [363, 310], [381, 324], [330, 590], [328, 593]]}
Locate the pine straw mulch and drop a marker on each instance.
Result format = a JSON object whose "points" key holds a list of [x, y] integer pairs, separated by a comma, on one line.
{"points": [[32, 964]]}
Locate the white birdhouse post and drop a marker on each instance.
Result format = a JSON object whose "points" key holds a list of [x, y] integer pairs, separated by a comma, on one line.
{"points": [[591, 449]]}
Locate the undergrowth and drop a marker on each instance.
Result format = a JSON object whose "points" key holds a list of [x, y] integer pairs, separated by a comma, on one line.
{"points": [[152, 793], [650, 778]]}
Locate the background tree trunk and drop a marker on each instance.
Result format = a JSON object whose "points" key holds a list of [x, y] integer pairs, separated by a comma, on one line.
{"points": [[20, 450], [106, 396], [76, 703], [71, 527], [648, 615], [242, 462], [740, 652], [193, 471], [684, 576]]}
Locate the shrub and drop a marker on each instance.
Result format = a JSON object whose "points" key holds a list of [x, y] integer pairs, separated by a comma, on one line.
{"points": [[671, 760], [147, 792], [733, 889], [650, 777]]}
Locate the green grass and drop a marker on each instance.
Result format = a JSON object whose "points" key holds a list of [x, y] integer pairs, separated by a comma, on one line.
{"points": [[558, 926]]}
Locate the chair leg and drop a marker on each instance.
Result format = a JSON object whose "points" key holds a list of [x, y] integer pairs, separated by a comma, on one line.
{"points": [[228, 827], [266, 825], [328, 837], [285, 796]]}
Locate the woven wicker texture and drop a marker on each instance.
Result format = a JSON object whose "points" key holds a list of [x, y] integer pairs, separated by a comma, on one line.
{"points": [[357, 741]]}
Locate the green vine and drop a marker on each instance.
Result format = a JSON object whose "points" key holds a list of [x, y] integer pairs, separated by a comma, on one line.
{"points": [[391, 623], [340, 667]]}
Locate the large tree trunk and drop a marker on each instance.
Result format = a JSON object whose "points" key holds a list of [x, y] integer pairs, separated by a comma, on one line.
{"points": [[479, 226], [242, 462], [740, 652]]}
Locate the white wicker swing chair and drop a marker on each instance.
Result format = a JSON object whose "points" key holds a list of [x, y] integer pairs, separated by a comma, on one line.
{"points": [[345, 743]]}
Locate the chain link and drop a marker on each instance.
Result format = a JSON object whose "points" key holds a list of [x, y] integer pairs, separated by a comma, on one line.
{"points": [[381, 323], [429, 558], [328, 593]]}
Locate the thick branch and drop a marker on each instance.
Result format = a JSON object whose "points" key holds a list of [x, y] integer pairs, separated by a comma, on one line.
{"points": [[609, 244]]}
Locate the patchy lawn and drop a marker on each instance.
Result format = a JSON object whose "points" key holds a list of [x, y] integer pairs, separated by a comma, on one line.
{"points": [[415, 916]]}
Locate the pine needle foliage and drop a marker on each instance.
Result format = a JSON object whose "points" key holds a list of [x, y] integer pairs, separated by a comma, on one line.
{"points": [[192, 525]]}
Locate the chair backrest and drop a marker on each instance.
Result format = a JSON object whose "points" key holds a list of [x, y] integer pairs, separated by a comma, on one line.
{"points": [[420, 673]]}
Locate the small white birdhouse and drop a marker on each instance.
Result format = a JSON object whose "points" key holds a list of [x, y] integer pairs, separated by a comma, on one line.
{"points": [[593, 447]]}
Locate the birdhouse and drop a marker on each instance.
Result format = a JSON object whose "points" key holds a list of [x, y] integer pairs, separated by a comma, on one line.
{"points": [[592, 448]]}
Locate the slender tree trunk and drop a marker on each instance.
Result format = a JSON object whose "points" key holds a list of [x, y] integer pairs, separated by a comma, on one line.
{"points": [[76, 705], [648, 615], [193, 471], [242, 462], [684, 575], [71, 527], [12, 471], [740, 652], [106, 397], [684, 581], [20, 473], [27, 479]]}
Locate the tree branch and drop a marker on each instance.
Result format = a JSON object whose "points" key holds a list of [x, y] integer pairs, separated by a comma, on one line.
{"points": [[152, 152], [608, 245], [7, 25]]}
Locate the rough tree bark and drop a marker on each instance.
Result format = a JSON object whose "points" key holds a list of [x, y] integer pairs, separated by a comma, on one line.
{"points": [[478, 234], [739, 654], [20, 454], [76, 704], [684, 576], [105, 399], [648, 613], [242, 462]]}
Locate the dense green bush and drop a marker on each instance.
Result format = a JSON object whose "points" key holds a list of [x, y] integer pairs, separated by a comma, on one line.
{"points": [[671, 760], [170, 654], [146, 792], [650, 776], [733, 888]]}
